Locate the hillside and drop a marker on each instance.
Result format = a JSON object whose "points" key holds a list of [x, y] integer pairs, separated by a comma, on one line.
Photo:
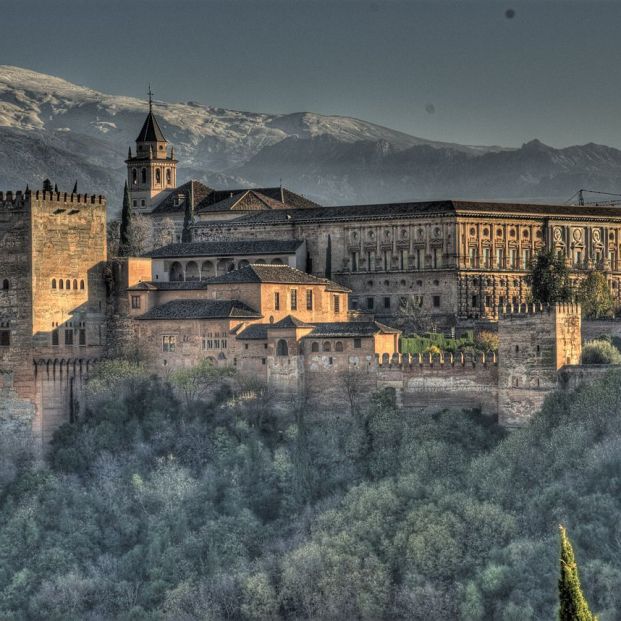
{"points": [[153, 508], [52, 128]]}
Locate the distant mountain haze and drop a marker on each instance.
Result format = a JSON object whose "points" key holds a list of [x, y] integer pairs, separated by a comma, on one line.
{"points": [[52, 128]]}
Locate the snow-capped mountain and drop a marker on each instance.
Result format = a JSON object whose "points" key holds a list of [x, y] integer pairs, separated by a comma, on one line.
{"points": [[52, 128]]}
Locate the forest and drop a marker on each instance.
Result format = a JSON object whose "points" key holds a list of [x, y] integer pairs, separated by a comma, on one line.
{"points": [[161, 504]]}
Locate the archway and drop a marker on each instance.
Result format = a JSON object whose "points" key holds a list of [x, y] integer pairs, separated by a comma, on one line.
{"points": [[191, 270], [176, 272], [207, 270], [282, 349]]}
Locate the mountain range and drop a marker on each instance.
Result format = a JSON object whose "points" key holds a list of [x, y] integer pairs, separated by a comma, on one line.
{"points": [[52, 128]]}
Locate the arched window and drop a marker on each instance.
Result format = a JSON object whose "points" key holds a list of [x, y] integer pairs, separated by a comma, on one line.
{"points": [[5, 284], [191, 270], [67, 284], [176, 272], [338, 346], [168, 177], [61, 284], [81, 284], [143, 174], [53, 283], [207, 270], [276, 261], [327, 346], [315, 346], [158, 175], [134, 176], [75, 284], [281, 348]]}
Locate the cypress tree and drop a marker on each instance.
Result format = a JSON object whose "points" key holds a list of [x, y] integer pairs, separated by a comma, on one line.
{"points": [[188, 217], [329, 258], [573, 604], [126, 225], [75, 187], [549, 279], [47, 185]]}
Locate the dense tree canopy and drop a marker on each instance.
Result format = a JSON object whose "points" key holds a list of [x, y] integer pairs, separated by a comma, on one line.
{"points": [[595, 297], [157, 508], [549, 279]]}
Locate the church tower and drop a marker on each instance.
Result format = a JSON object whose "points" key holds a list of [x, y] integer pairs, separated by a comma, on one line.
{"points": [[152, 171]]}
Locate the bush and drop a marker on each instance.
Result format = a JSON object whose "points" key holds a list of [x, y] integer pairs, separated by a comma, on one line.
{"points": [[600, 352]]}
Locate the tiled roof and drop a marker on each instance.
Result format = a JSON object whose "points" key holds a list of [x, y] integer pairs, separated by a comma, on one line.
{"points": [[197, 189], [150, 131], [255, 331], [412, 209], [350, 329], [290, 322], [177, 285], [201, 309], [275, 198], [274, 274], [227, 248]]}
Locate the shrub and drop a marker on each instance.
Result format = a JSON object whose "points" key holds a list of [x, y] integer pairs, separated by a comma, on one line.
{"points": [[600, 352]]}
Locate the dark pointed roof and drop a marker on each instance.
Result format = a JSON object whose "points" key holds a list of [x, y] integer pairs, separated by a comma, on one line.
{"points": [[150, 131]]}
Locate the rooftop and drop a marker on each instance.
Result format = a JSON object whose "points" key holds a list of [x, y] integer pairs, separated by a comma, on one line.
{"points": [[267, 273], [227, 248], [201, 309], [150, 131], [176, 285], [350, 329], [413, 209]]}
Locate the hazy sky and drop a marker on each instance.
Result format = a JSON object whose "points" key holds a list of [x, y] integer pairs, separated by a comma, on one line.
{"points": [[454, 70]]}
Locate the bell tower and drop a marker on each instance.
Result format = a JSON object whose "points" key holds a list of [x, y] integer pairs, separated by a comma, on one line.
{"points": [[152, 171]]}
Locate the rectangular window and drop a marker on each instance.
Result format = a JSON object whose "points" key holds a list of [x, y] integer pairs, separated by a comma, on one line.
{"points": [[500, 258], [337, 304], [357, 343], [169, 343], [437, 257], [354, 261], [403, 259], [55, 337], [486, 257], [473, 256], [309, 300], [135, 301], [475, 301], [82, 336], [5, 338], [436, 301], [525, 258], [294, 299], [68, 336], [353, 301], [387, 302], [488, 301], [370, 303], [420, 258], [276, 301], [513, 258]]}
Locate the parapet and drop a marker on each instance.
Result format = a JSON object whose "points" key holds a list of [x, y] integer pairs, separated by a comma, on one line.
{"points": [[518, 311], [17, 199], [444, 360]]}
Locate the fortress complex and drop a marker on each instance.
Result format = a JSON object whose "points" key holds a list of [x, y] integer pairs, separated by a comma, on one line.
{"points": [[293, 295]]}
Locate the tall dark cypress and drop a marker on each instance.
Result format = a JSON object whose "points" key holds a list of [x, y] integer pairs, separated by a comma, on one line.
{"points": [[126, 226], [75, 187], [573, 604], [329, 258], [47, 185], [188, 218]]}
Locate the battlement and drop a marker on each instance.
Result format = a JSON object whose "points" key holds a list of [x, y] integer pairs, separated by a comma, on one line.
{"points": [[521, 311], [442, 361], [18, 199]]}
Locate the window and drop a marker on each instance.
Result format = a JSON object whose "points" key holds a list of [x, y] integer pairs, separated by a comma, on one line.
{"points": [[142, 202], [486, 257], [338, 346], [5, 338], [82, 285], [353, 301], [168, 177], [276, 301], [513, 257], [61, 283], [82, 336], [387, 302], [357, 343], [437, 257], [309, 300], [282, 348], [134, 176], [500, 258], [67, 284], [68, 336], [525, 258], [75, 285], [354, 261], [158, 175], [169, 343], [370, 303], [337, 304], [135, 301], [55, 337], [326, 346], [135, 203], [53, 283], [475, 301], [315, 347], [143, 174], [472, 256], [294, 299], [436, 301]]}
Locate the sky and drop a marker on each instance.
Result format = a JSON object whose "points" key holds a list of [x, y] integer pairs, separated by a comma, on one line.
{"points": [[466, 71]]}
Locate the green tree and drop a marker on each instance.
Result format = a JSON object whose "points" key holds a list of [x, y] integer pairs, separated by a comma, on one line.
{"points": [[549, 279], [125, 241], [600, 352], [198, 382], [594, 296], [573, 604]]}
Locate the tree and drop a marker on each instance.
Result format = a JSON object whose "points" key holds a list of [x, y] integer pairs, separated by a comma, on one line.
{"points": [[197, 382], [573, 604], [188, 216], [413, 318], [47, 185], [164, 234], [549, 279], [600, 352], [125, 241], [595, 297]]}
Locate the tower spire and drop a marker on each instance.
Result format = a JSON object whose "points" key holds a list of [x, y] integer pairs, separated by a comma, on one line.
{"points": [[150, 93]]}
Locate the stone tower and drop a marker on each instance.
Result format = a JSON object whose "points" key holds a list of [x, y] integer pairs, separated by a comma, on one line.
{"points": [[152, 171]]}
